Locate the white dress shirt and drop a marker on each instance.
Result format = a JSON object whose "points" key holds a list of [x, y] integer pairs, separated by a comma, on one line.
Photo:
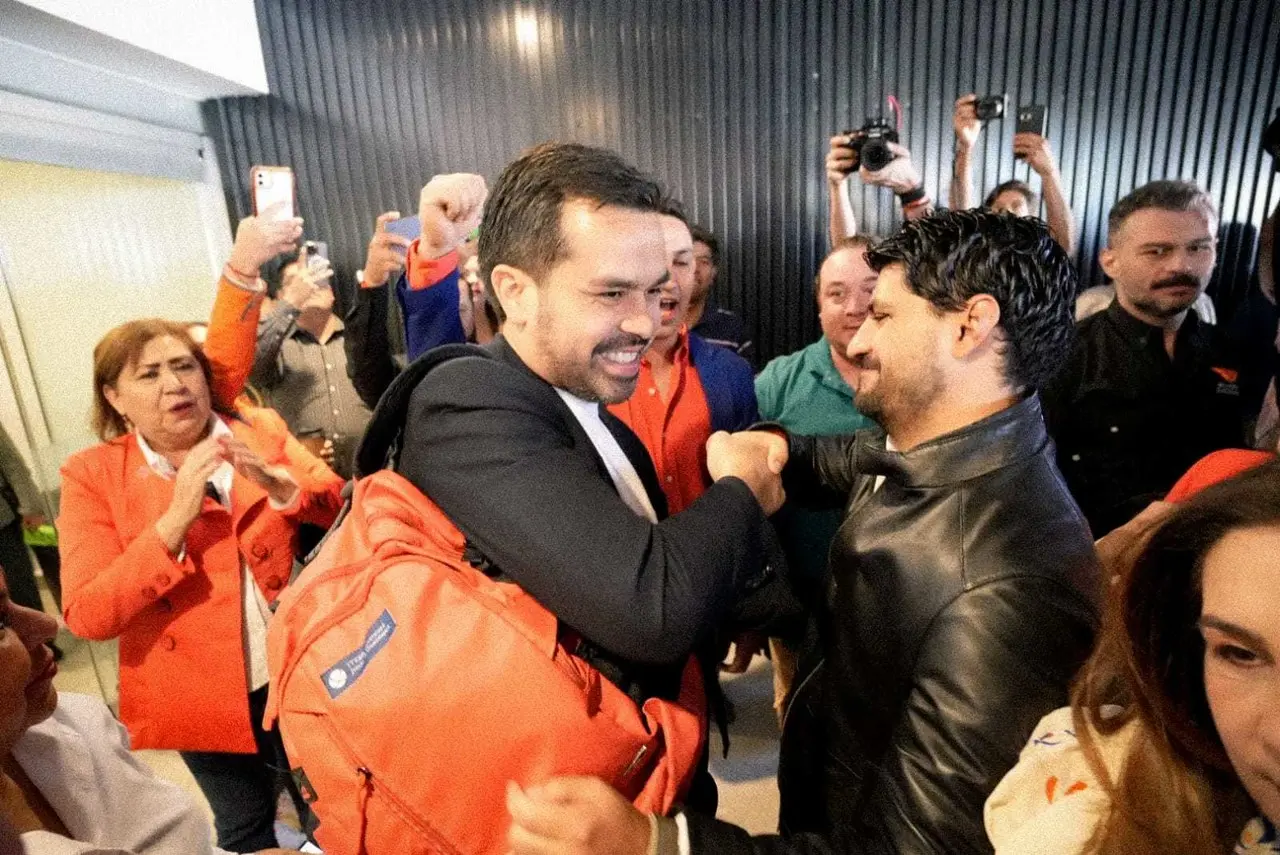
{"points": [[621, 470], [254, 608], [109, 801]]}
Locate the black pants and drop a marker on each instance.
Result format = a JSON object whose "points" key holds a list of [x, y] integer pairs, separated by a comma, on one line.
{"points": [[242, 788], [18, 570]]}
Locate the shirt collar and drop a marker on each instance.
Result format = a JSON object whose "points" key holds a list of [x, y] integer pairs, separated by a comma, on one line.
{"points": [[160, 464], [1139, 330], [823, 366], [680, 355]]}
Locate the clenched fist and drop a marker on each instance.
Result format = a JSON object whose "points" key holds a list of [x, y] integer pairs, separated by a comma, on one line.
{"points": [[450, 208]]}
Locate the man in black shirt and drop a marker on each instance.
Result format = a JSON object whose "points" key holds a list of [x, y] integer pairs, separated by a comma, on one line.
{"points": [[1148, 389]]}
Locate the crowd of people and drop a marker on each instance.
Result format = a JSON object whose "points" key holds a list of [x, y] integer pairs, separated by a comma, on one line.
{"points": [[1013, 548]]}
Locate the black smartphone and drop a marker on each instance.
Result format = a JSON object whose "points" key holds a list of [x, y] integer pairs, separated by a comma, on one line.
{"points": [[1032, 119]]}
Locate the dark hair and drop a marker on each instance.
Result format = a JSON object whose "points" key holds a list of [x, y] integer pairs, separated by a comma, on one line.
{"points": [[1015, 185], [864, 242], [701, 235], [521, 225], [672, 208], [1163, 196], [953, 256], [1176, 790], [272, 271]]}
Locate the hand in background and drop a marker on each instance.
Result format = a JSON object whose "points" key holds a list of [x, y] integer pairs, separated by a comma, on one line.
{"points": [[386, 254], [302, 283], [574, 816], [966, 121], [450, 208], [900, 175], [841, 160], [1035, 150], [260, 239]]}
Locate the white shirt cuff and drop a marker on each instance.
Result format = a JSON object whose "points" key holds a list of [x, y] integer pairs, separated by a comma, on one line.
{"points": [[682, 832]]}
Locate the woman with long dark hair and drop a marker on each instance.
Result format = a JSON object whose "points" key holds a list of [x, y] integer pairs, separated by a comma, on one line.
{"points": [[1172, 740]]}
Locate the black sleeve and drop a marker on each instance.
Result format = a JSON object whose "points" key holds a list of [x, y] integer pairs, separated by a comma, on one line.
{"points": [[821, 470], [492, 449], [368, 344], [994, 663]]}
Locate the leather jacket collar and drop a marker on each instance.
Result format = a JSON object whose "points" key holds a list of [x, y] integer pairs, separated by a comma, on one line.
{"points": [[1012, 434]]}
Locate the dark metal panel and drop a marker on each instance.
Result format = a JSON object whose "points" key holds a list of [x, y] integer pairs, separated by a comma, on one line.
{"points": [[731, 106]]}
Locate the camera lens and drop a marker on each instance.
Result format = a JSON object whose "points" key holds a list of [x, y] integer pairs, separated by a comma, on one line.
{"points": [[876, 155]]}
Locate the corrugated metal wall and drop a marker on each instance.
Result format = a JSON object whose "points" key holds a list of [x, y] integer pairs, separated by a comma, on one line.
{"points": [[731, 105]]}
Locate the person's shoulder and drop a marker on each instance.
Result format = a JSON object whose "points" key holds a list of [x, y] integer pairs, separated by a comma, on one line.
{"points": [[788, 365], [100, 455], [479, 380], [1051, 800], [86, 715], [721, 358]]}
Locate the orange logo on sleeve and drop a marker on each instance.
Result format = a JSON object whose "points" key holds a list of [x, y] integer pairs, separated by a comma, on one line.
{"points": [[1051, 788], [1230, 375]]}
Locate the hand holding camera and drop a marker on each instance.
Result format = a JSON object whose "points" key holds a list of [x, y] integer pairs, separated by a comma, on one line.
{"points": [[302, 282], [972, 112], [899, 173], [841, 159]]}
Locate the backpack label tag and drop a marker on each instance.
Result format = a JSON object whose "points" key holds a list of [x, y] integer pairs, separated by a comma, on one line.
{"points": [[338, 678]]}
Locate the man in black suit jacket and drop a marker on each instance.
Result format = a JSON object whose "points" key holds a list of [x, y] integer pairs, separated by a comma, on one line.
{"points": [[550, 490]]}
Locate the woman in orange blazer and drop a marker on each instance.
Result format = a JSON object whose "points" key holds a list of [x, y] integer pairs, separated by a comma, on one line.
{"points": [[176, 533]]}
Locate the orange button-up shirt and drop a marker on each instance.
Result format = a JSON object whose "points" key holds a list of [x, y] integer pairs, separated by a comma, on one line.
{"points": [[674, 430]]}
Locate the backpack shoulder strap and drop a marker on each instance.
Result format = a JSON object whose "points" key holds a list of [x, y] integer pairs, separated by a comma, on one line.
{"points": [[380, 446]]}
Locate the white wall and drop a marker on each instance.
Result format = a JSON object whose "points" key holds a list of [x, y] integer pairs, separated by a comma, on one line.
{"points": [[81, 252], [219, 37]]}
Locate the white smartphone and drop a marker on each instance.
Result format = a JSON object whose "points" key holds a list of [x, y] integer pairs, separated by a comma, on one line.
{"points": [[272, 185]]}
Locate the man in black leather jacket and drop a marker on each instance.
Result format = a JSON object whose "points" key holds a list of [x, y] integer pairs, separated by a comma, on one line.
{"points": [[964, 581]]}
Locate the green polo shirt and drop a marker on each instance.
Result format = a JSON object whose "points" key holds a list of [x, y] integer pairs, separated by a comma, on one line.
{"points": [[805, 393]]}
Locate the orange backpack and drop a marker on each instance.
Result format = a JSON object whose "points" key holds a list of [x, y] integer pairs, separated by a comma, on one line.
{"points": [[409, 686]]}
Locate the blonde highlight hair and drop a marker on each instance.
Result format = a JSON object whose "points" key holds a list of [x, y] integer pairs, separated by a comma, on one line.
{"points": [[120, 348]]}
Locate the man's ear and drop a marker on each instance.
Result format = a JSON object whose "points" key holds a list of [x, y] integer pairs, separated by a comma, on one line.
{"points": [[978, 321], [1107, 260], [517, 293]]}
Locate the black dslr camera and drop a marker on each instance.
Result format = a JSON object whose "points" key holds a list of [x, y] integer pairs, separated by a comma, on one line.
{"points": [[871, 143], [990, 107], [1271, 140]]}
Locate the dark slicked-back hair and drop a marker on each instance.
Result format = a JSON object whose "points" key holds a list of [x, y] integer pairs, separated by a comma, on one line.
{"points": [[701, 235], [521, 226], [953, 256], [1164, 196]]}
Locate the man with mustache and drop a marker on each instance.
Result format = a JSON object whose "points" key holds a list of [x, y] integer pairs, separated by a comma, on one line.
{"points": [[1149, 388]]}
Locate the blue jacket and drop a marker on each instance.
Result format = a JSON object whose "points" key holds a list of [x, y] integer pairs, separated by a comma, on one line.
{"points": [[728, 383], [430, 315], [431, 319]]}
